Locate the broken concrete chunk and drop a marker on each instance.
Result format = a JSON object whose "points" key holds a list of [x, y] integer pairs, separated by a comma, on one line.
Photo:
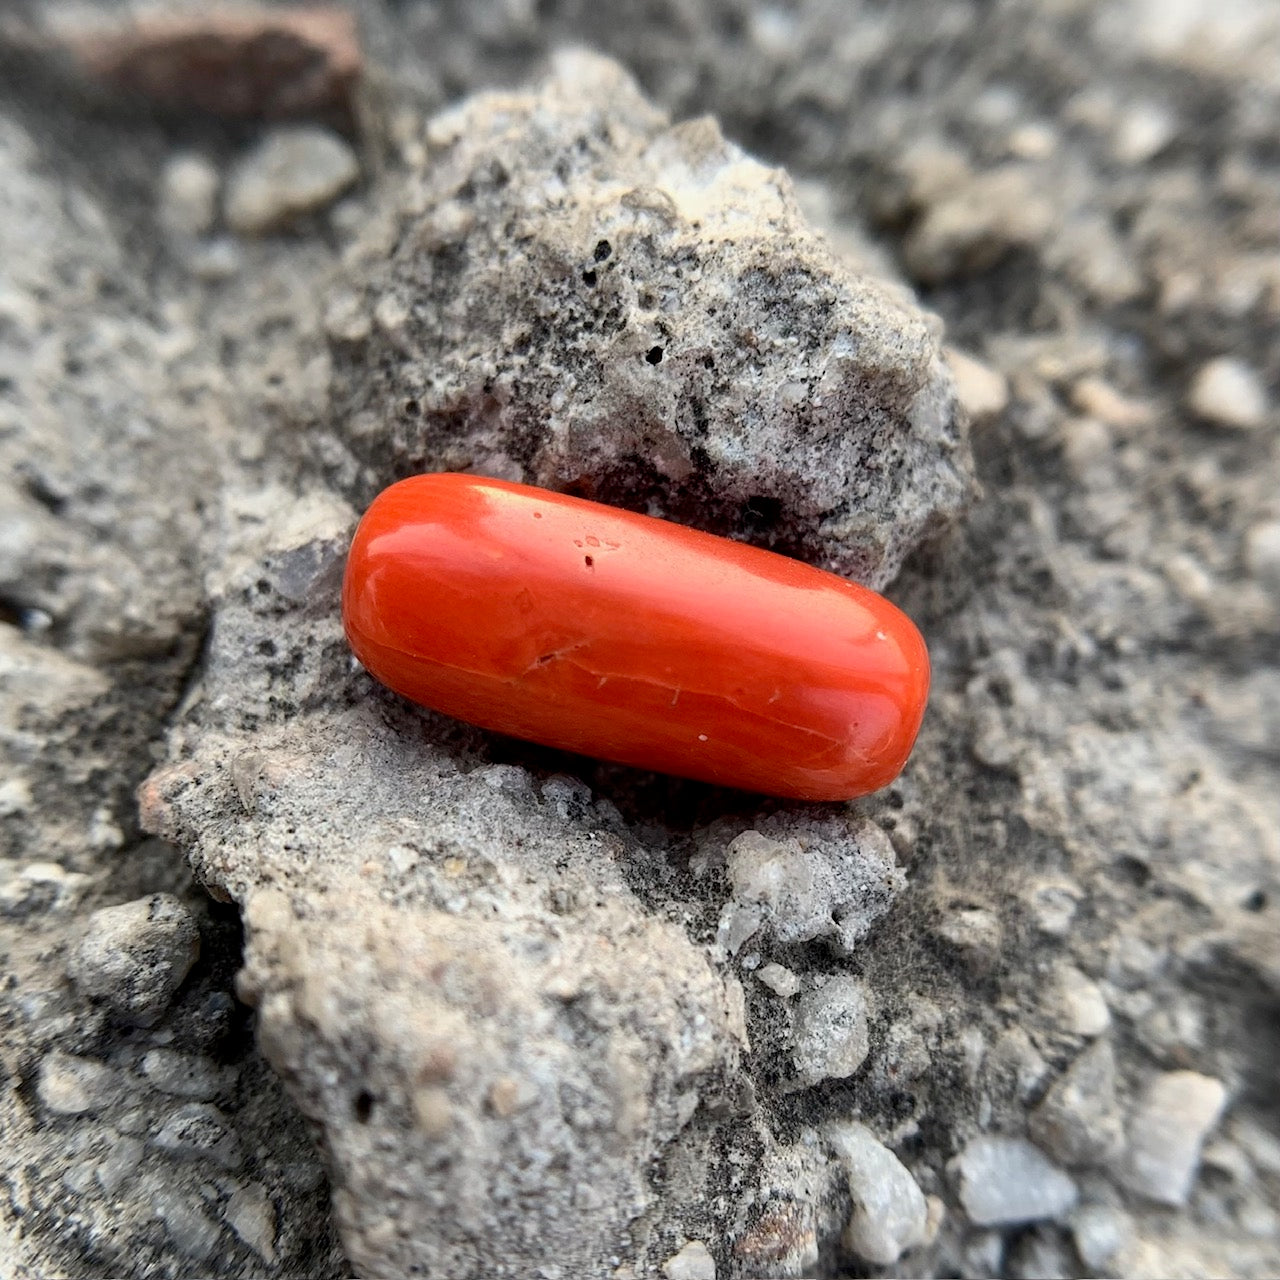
{"points": [[639, 310]]}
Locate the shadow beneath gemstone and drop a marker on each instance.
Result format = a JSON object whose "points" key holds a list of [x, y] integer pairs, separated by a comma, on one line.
{"points": [[680, 806]]}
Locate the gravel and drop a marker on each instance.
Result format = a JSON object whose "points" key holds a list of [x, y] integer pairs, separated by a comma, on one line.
{"points": [[1228, 393], [1004, 1181], [1079, 1121], [1166, 1131], [831, 1035], [889, 1210], [294, 171], [135, 956]]}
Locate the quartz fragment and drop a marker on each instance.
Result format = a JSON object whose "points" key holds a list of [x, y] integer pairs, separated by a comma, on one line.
{"points": [[1005, 1181], [1166, 1132], [889, 1210], [831, 1037]]}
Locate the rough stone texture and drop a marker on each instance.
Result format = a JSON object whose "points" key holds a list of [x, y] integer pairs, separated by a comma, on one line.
{"points": [[1095, 778], [827, 883], [591, 297], [134, 957], [457, 1020], [831, 1036]]}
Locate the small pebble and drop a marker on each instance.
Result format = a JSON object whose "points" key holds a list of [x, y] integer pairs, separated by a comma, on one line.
{"points": [[796, 888], [41, 887], [1015, 1056], [295, 170], [982, 391], [1078, 1121], [72, 1086], [252, 1216], [832, 1040], [192, 1231], [1262, 552], [134, 957], [1033, 141], [890, 1214], [1077, 1004], [976, 934], [1005, 1181], [693, 1262], [1228, 393], [796, 893], [780, 980], [119, 1164], [199, 1132], [1100, 1233], [1099, 400], [1166, 1131], [347, 318], [1142, 132], [215, 260], [15, 797], [182, 1075], [1053, 904], [188, 196]]}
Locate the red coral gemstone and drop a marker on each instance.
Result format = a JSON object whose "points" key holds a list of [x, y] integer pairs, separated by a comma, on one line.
{"points": [[632, 639]]}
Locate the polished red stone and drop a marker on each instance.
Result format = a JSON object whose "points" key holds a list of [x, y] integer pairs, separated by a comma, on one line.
{"points": [[616, 635]]}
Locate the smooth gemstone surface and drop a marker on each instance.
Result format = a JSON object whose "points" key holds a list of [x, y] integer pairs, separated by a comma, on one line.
{"points": [[596, 630]]}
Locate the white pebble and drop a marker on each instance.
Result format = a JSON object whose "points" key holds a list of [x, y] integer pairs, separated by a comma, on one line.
{"points": [[890, 1214], [1100, 1232], [188, 195], [72, 1086], [982, 391], [1004, 1181], [1262, 552], [1077, 1003], [780, 980], [1228, 393], [293, 171], [1166, 1132], [693, 1262], [831, 1031], [252, 1216], [1143, 131]]}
